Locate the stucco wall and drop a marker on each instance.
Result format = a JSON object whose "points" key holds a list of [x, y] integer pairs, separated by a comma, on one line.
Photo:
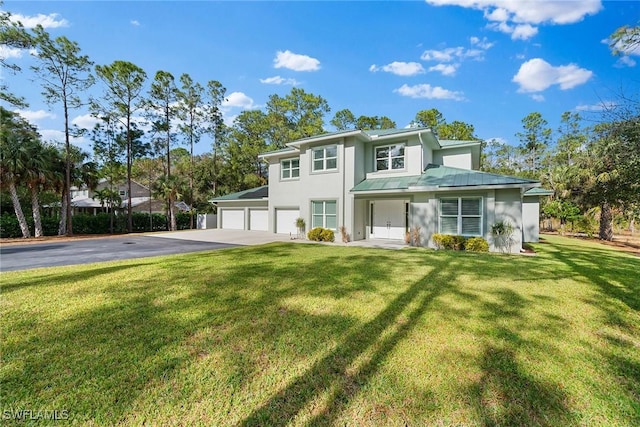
{"points": [[509, 208], [531, 218], [454, 157]]}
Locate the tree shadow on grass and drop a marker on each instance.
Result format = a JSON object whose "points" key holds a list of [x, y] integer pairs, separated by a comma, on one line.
{"points": [[43, 277], [507, 394], [616, 277], [99, 362], [334, 373]]}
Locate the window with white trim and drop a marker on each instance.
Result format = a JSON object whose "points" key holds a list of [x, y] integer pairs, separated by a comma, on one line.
{"points": [[324, 214], [290, 168], [390, 157], [461, 215], [325, 158]]}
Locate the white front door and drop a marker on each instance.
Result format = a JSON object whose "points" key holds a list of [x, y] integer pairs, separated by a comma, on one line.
{"points": [[388, 219]]}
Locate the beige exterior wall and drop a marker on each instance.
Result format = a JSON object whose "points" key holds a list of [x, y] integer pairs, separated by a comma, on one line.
{"points": [[454, 157]]}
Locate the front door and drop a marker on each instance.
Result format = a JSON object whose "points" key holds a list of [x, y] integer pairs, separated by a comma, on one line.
{"points": [[388, 219]]}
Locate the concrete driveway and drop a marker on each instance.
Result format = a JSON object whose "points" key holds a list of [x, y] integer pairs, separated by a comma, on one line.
{"points": [[84, 251]]}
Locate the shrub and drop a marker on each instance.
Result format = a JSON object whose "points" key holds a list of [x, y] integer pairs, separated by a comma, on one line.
{"points": [[315, 234], [449, 241], [320, 234], [476, 244], [327, 235]]}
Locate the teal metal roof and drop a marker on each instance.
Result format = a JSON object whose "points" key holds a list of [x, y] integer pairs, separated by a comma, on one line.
{"points": [[250, 194], [390, 183], [440, 177], [444, 176], [538, 191]]}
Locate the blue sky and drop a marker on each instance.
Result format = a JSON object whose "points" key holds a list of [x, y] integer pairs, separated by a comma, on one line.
{"points": [[485, 62]]}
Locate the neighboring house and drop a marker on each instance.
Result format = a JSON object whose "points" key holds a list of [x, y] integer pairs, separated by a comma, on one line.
{"points": [[380, 184], [84, 200]]}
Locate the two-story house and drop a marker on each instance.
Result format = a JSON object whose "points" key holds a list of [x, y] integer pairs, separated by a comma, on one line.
{"points": [[85, 200], [380, 184]]}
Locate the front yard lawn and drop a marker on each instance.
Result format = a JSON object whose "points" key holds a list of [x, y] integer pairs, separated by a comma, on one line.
{"points": [[296, 334]]}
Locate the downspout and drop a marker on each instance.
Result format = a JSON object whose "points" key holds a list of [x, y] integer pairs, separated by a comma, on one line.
{"points": [[522, 219], [344, 182], [421, 157]]}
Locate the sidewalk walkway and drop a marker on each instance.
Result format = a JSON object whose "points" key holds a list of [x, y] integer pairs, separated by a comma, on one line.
{"points": [[244, 237]]}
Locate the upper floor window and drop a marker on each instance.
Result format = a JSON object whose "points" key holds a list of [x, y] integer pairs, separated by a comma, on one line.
{"points": [[390, 157], [290, 169], [461, 216], [325, 158]]}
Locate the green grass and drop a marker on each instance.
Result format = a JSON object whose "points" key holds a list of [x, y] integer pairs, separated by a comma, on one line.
{"points": [[294, 334]]}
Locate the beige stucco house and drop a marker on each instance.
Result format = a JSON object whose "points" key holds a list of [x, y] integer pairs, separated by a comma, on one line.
{"points": [[380, 184]]}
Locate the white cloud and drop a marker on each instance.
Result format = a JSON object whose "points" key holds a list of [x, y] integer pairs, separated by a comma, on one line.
{"points": [[239, 100], [135, 22], [482, 44], [519, 17], [295, 62], [10, 52], [600, 106], [445, 69], [35, 116], [537, 97], [400, 68], [277, 80], [57, 136], [451, 54], [625, 61], [429, 92], [51, 20], [85, 121], [537, 75]]}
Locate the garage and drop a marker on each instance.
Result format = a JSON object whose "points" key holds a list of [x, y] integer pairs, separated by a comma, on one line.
{"points": [[259, 219], [233, 219], [286, 221]]}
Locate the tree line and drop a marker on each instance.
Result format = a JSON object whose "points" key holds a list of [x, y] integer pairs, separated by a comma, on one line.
{"points": [[148, 126]]}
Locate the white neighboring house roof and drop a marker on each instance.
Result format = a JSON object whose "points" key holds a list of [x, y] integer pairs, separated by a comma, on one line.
{"points": [[88, 202]]}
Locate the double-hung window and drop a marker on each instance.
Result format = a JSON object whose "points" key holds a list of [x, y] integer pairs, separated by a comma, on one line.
{"points": [[324, 214], [390, 157], [461, 215], [325, 158], [290, 169]]}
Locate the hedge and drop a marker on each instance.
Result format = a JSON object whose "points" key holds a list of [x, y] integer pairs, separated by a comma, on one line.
{"points": [[93, 224]]}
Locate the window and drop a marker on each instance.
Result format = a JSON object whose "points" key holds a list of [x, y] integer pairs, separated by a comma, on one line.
{"points": [[122, 192], [390, 157], [461, 216], [290, 169], [324, 214], [325, 158]]}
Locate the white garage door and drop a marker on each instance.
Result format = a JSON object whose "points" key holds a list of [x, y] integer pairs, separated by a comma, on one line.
{"points": [[258, 219], [286, 220], [233, 219]]}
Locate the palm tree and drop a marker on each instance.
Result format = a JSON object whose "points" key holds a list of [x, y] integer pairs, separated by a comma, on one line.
{"points": [[169, 188], [13, 130], [37, 165]]}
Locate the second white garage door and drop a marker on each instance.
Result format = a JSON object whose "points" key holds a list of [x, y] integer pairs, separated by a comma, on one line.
{"points": [[233, 219], [286, 221], [259, 219]]}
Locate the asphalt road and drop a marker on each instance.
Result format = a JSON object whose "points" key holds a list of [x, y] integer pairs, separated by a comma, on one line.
{"points": [[51, 254]]}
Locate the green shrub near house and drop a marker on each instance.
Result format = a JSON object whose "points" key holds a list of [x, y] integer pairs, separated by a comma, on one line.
{"points": [[319, 234], [476, 244], [460, 243]]}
